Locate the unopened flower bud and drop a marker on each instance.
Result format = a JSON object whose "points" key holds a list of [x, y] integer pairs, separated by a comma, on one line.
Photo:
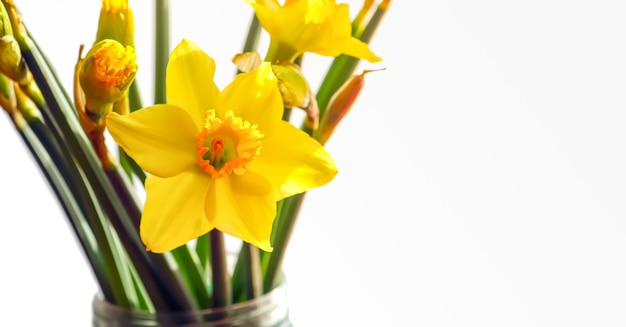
{"points": [[11, 61], [7, 95], [26, 106], [291, 84], [5, 21], [105, 74], [339, 105], [116, 22]]}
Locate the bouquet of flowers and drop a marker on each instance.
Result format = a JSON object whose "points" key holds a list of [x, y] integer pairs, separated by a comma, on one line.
{"points": [[152, 192]]}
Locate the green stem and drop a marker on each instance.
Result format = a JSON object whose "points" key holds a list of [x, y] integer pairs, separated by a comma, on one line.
{"points": [[254, 33], [202, 251], [161, 49], [190, 270], [247, 276], [219, 270], [283, 228]]}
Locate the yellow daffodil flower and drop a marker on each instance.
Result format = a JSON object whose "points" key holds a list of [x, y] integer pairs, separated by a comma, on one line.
{"points": [[318, 26], [217, 159]]}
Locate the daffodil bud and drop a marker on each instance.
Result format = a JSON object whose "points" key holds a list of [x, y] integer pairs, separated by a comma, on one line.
{"points": [[105, 74], [11, 62], [7, 95], [339, 105], [292, 85], [116, 22], [12, 17], [26, 106], [5, 21]]}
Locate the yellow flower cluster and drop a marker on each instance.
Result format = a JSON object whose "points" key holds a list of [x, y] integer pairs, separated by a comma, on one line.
{"points": [[220, 159]]}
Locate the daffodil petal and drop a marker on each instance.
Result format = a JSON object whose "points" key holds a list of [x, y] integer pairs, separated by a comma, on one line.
{"points": [[173, 213], [244, 207], [295, 166], [266, 12], [189, 81], [319, 26], [262, 104], [161, 138], [358, 49]]}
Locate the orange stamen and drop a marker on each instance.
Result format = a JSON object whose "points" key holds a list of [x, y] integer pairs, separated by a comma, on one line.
{"points": [[234, 144]]}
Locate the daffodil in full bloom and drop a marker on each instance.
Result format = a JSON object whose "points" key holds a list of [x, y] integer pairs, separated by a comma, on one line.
{"points": [[217, 159], [318, 26]]}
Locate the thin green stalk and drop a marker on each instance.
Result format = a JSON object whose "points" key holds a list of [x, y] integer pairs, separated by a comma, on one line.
{"points": [[161, 49], [249, 268], [220, 280], [190, 270], [272, 261], [202, 251], [254, 33]]}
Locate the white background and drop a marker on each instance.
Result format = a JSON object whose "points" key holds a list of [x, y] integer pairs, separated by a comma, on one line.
{"points": [[482, 175]]}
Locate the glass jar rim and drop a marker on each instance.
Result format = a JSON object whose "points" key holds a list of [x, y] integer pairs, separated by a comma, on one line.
{"points": [[269, 307]]}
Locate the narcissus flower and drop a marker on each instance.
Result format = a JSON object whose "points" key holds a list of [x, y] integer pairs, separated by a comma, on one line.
{"points": [[217, 159], [318, 26]]}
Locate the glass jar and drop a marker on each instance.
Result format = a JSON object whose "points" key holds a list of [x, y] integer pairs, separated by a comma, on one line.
{"points": [[268, 310]]}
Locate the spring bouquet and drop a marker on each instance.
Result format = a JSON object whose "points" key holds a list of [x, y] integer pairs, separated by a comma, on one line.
{"points": [[153, 192]]}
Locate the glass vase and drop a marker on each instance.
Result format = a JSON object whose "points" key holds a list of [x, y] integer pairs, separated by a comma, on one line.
{"points": [[268, 310]]}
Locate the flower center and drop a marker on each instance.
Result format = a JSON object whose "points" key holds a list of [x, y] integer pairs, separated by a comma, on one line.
{"points": [[115, 63], [227, 146]]}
